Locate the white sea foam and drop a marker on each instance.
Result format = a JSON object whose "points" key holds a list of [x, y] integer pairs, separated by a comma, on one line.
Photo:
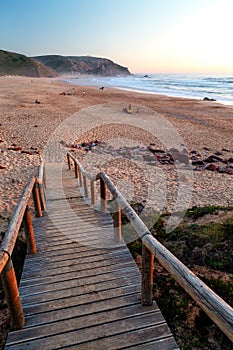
{"points": [[215, 87]]}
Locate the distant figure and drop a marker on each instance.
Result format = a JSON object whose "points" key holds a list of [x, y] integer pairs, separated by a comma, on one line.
{"points": [[38, 102], [101, 88], [128, 110], [83, 93]]}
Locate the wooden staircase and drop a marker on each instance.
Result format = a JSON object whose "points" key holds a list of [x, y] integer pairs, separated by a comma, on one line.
{"points": [[82, 290]]}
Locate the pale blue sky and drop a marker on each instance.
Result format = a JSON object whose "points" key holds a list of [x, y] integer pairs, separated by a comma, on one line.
{"points": [[144, 35]]}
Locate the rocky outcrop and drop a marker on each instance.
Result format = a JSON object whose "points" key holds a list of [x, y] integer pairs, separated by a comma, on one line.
{"points": [[12, 63], [82, 65]]}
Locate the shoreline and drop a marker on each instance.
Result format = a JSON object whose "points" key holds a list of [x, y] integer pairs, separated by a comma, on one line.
{"points": [[28, 125], [96, 81]]}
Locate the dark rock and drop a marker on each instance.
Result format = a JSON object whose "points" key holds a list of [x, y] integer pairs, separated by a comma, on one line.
{"points": [[230, 160], [208, 99], [198, 162], [27, 152], [229, 170], [154, 150], [213, 159], [225, 150], [148, 158], [217, 153], [176, 155], [211, 167], [14, 148], [221, 170]]}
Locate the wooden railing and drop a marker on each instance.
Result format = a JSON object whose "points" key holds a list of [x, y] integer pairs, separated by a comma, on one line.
{"points": [[22, 216], [216, 308]]}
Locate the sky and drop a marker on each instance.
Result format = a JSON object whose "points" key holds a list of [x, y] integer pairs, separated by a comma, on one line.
{"points": [[147, 36]]}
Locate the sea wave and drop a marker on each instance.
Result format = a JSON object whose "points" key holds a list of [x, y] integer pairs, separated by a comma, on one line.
{"points": [[219, 88]]}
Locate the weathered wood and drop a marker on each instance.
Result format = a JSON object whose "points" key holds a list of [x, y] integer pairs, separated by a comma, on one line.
{"points": [[215, 307], [11, 291], [103, 195], [36, 199], [147, 276], [80, 177], [29, 232], [85, 321], [41, 185], [93, 192], [69, 162], [85, 186], [3, 259], [42, 197], [117, 221], [11, 234], [76, 169]]}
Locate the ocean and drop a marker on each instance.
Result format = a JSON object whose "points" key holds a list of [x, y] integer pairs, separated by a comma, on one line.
{"points": [[217, 87]]}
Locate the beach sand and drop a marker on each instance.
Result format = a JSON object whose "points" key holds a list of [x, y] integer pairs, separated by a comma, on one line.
{"points": [[27, 125]]}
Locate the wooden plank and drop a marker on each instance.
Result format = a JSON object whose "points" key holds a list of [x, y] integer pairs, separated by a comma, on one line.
{"points": [[74, 268], [89, 287], [105, 336], [133, 314], [74, 265], [85, 272], [68, 283], [87, 308]]}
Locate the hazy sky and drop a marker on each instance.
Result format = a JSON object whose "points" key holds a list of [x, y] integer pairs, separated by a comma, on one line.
{"points": [[147, 36]]}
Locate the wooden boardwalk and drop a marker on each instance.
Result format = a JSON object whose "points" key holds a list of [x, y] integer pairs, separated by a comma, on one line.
{"points": [[82, 289]]}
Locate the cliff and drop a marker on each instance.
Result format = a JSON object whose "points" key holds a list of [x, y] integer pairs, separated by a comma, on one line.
{"points": [[82, 65], [12, 63]]}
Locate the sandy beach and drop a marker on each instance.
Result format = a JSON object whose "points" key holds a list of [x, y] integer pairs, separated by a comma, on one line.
{"points": [[32, 109]]}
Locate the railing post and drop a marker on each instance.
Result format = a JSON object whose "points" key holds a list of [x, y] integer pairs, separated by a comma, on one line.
{"points": [[29, 232], [117, 221], [36, 199], [76, 170], [69, 163], [11, 291], [80, 178], [147, 276], [42, 195], [93, 192], [103, 195], [85, 186]]}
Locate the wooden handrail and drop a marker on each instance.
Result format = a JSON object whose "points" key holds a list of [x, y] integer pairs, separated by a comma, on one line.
{"points": [[11, 234], [215, 307], [22, 215]]}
